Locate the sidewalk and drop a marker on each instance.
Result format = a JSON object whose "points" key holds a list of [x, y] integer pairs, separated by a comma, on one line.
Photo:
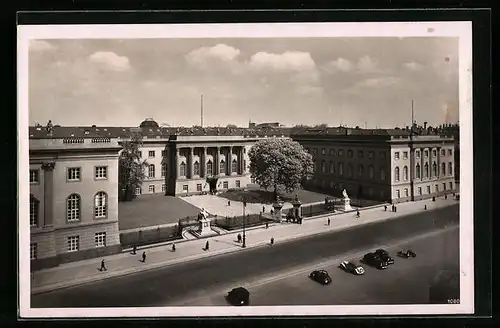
{"points": [[76, 273]]}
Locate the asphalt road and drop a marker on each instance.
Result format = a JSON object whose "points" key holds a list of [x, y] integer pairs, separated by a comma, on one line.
{"points": [[169, 284], [408, 281]]}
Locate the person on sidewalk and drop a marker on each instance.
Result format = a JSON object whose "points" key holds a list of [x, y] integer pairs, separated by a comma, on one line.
{"points": [[357, 213], [272, 212], [446, 196], [328, 221], [134, 250], [207, 246], [228, 203], [144, 257], [239, 238], [425, 207], [103, 266], [267, 225], [173, 247], [385, 208], [395, 208], [263, 209], [272, 241]]}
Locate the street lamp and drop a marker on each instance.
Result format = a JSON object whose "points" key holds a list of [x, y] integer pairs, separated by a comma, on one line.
{"points": [[244, 232]]}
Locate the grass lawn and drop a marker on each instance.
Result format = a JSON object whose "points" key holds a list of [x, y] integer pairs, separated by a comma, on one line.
{"points": [[151, 210], [259, 195]]}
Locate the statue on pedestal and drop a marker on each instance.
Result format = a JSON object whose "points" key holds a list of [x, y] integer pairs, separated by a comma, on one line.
{"points": [[346, 201], [344, 193]]}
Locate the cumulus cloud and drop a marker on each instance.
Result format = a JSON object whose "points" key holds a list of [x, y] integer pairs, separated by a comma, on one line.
{"points": [[413, 66], [287, 61], [340, 64], [40, 45], [220, 51], [110, 60], [367, 64]]}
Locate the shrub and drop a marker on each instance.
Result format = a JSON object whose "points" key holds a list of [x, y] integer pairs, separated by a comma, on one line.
{"points": [[150, 236]]}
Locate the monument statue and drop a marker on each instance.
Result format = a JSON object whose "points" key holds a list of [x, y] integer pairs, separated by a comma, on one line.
{"points": [[202, 215], [344, 193]]}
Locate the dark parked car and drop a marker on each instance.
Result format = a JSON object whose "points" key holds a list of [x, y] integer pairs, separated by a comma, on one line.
{"points": [[372, 259], [352, 267], [384, 255], [320, 276], [406, 253], [238, 296]]}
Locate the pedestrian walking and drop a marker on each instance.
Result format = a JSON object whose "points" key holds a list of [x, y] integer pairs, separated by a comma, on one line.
{"points": [[272, 212], [239, 238], [272, 240], [385, 208], [425, 207], [207, 246], [267, 225], [103, 266], [143, 256], [173, 247], [446, 196], [228, 203], [134, 250], [357, 213], [395, 208], [328, 221]]}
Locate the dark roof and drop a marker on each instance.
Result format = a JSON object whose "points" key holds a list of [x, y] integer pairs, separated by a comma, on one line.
{"points": [[339, 131]]}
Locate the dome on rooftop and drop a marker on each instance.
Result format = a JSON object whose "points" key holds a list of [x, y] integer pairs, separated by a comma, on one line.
{"points": [[149, 123]]}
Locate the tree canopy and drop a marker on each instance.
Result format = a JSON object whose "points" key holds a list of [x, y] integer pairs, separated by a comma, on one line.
{"points": [[131, 168], [280, 162]]}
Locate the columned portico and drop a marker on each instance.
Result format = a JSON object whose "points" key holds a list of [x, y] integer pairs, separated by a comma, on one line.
{"points": [[48, 190]]}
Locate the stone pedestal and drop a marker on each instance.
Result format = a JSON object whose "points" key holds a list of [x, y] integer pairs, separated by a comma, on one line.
{"points": [[346, 204], [277, 206], [204, 227]]}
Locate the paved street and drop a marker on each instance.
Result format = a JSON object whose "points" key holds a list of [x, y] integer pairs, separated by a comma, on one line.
{"points": [[168, 284], [405, 282]]}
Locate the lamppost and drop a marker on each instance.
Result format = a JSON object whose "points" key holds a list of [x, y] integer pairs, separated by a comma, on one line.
{"points": [[244, 232]]}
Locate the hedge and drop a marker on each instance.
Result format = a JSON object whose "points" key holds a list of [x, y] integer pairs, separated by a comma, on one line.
{"points": [[150, 236], [232, 223]]}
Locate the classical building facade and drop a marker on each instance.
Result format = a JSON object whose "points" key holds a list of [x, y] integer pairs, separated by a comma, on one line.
{"points": [[73, 197], [384, 165]]}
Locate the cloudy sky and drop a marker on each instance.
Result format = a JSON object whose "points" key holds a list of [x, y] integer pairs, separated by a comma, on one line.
{"points": [[351, 81]]}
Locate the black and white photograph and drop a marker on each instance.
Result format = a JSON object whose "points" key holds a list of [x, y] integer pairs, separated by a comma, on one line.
{"points": [[261, 169]]}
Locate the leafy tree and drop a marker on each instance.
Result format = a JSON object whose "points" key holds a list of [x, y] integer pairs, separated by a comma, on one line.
{"points": [[280, 162], [131, 169], [231, 126]]}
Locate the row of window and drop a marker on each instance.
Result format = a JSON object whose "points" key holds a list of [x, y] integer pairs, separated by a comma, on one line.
{"points": [[350, 170], [152, 153], [185, 188], [428, 189], [418, 173], [222, 168], [73, 244], [426, 153], [73, 208], [73, 174], [350, 153]]}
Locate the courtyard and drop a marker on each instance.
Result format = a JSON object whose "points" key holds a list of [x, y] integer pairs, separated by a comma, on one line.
{"points": [[153, 210]]}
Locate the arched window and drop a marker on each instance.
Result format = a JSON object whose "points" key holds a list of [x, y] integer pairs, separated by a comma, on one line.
{"points": [[426, 170], [323, 166], [332, 167], [443, 169], [234, 166], [371, 172], [341, 168], [417, 171], [196, 168], [182, 169], [349, 171], [434, 169], [382, 174], [151, 171], [405, 173], [450, 168], [100, 205], [361, 171], [222, 168], [34, 206], [73, 208], [209, 168], [396, 174]]}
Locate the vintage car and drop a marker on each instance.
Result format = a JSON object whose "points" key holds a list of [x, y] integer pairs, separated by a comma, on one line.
{"points": [[352, 267], [320, 276]]}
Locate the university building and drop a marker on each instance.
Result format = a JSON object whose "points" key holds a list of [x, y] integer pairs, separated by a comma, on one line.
{"points": [[385, 165]]}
